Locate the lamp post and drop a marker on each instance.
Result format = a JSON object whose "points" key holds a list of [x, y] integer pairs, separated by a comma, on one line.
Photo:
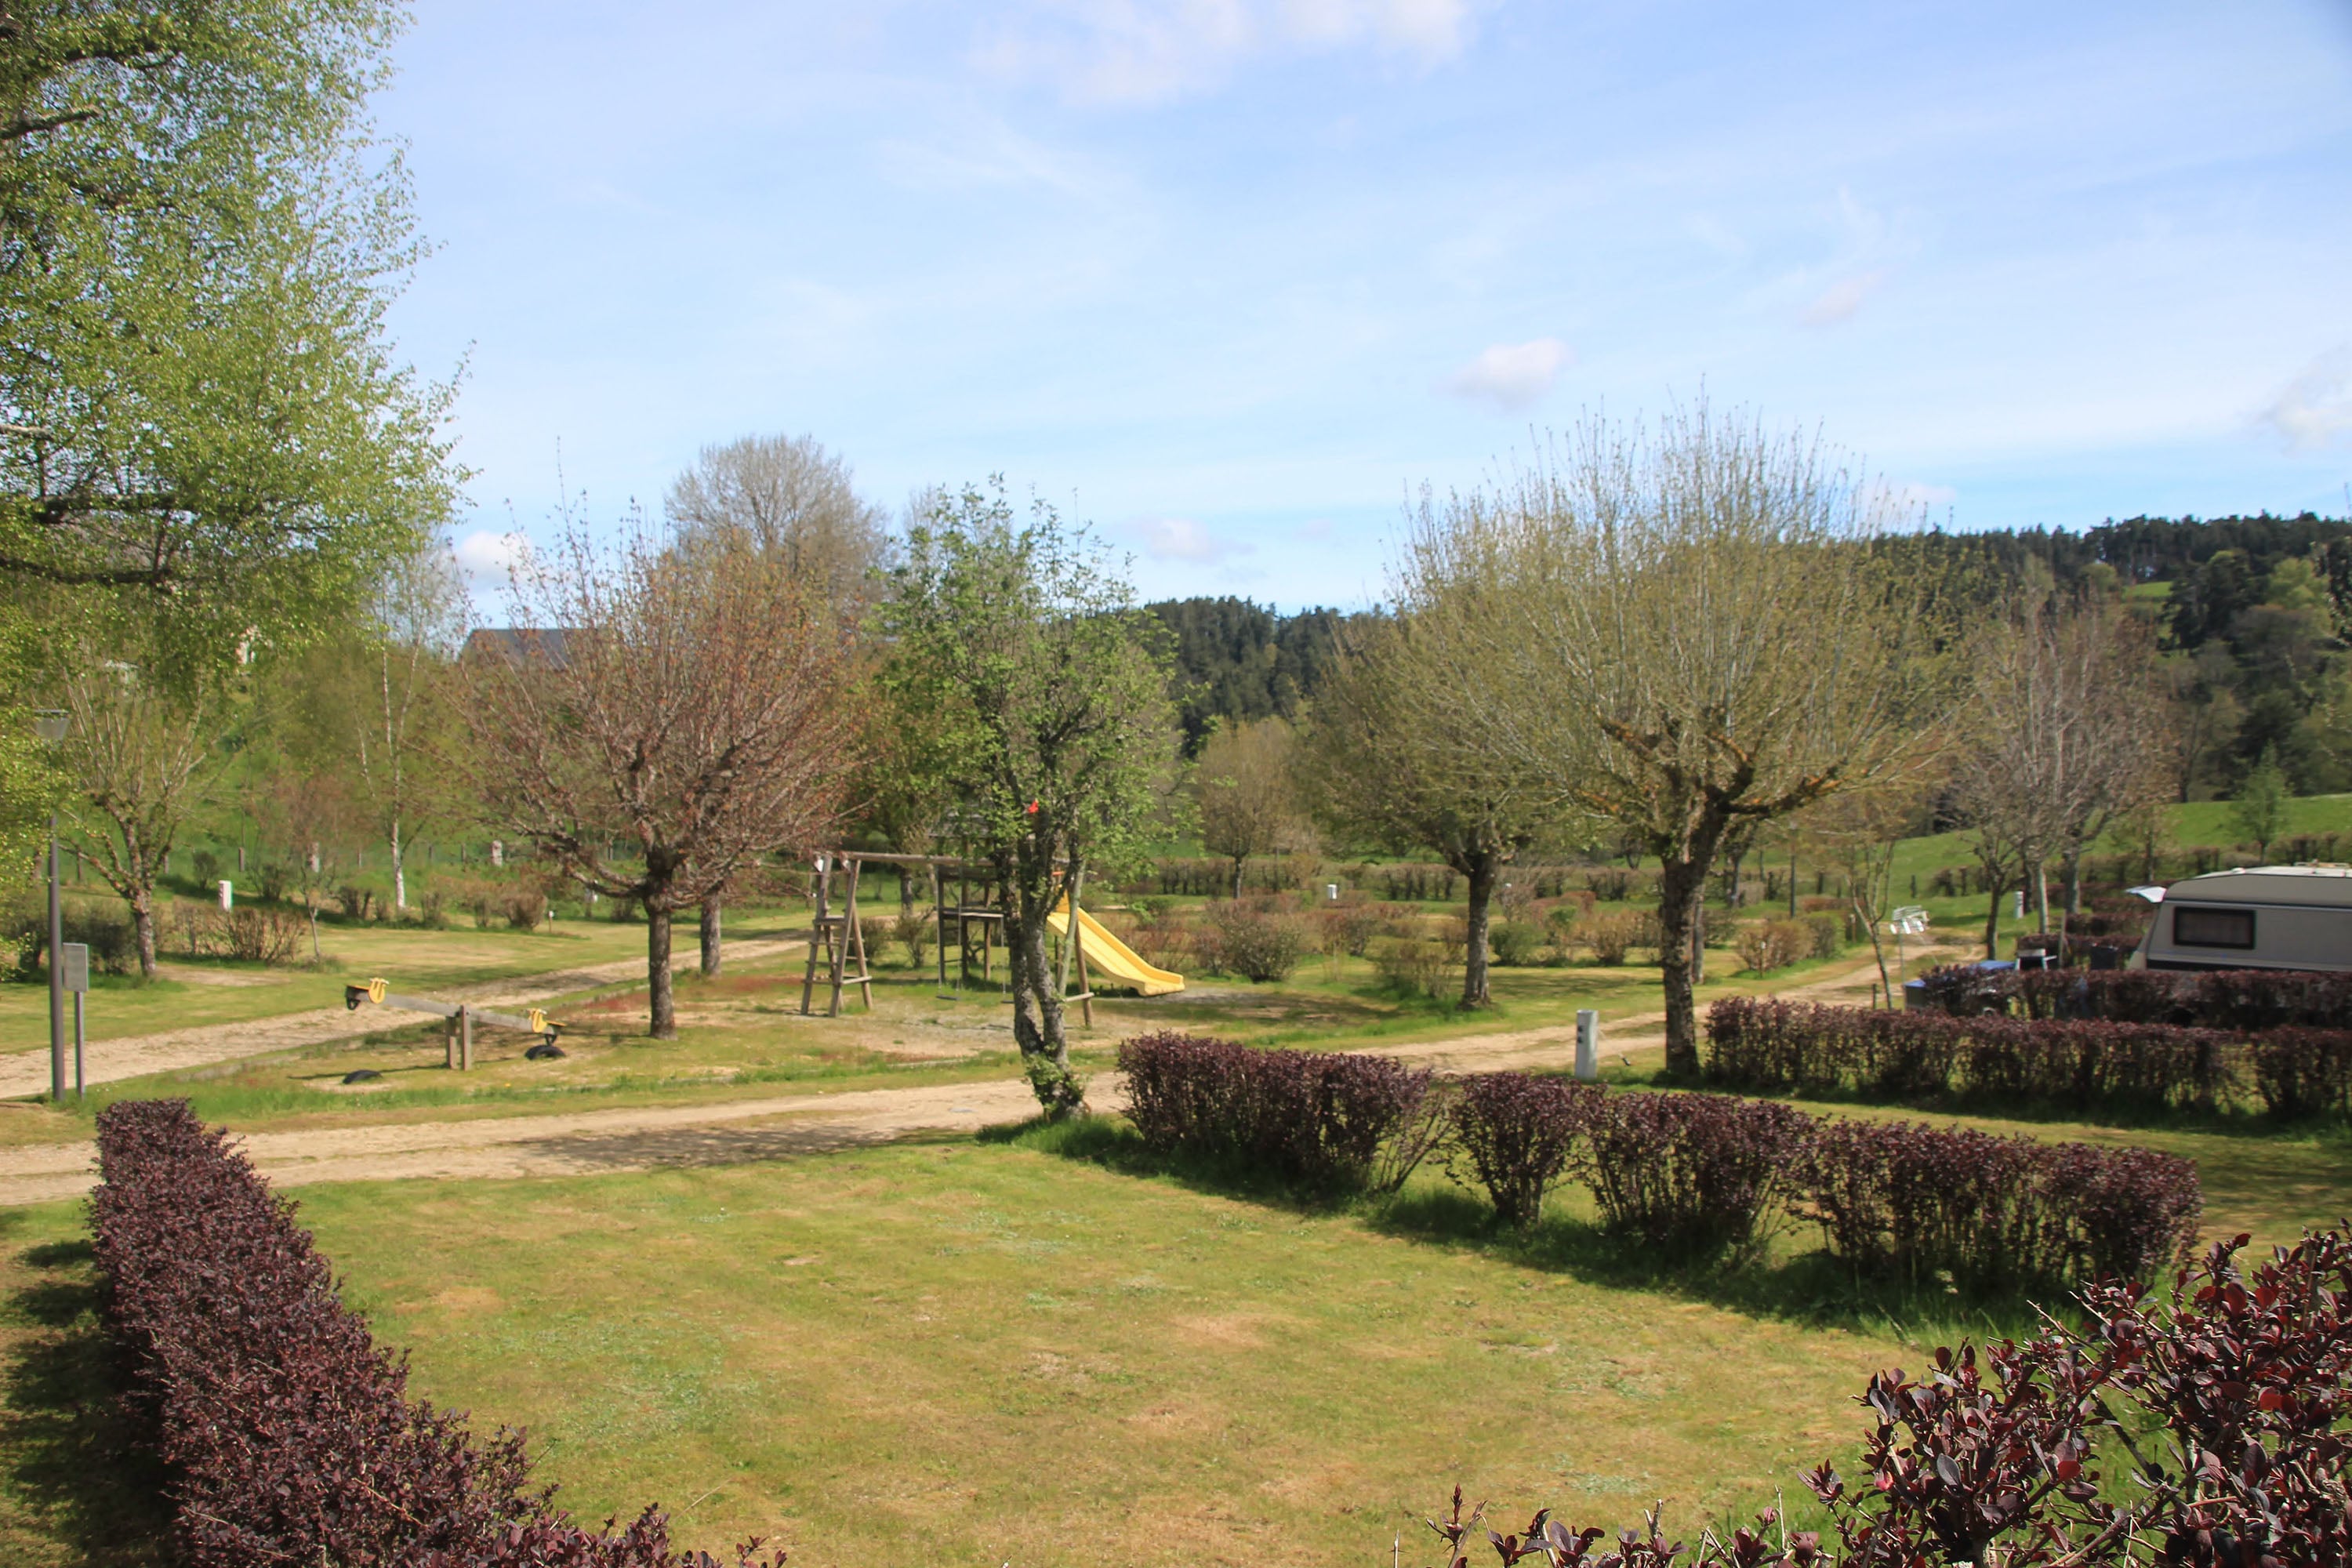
{"points": [[49, 724]]}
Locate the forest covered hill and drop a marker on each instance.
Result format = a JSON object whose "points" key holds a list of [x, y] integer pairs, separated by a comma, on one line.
{"points": [[2254, 615]]}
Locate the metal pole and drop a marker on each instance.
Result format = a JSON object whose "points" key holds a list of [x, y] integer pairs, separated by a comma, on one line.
{"points": [[56, 977], [77, 1045], [1587, 1044]]}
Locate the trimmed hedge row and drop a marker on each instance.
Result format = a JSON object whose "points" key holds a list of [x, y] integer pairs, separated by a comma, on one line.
{"points": [[2213, 999], [287, 1431], [1700, 1175], [1710, 1173], [1310, 1117], [1764, 1043]]}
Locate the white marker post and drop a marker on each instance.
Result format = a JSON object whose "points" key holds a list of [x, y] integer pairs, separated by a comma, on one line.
{"points": [[1587, 1045], [228, 895]]}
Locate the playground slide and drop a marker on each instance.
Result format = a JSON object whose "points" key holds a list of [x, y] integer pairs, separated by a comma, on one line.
{"points": [[1107, 958]]}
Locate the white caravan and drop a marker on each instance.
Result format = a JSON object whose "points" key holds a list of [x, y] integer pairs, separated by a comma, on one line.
{"points": [[2259, 917]]}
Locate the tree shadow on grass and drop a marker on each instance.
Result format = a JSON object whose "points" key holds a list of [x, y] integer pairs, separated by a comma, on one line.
{"points": [[79, 1481], [1807, 1287]]}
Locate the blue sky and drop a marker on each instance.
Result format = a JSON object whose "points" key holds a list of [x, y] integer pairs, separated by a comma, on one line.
{"points": [[1232, 279]]}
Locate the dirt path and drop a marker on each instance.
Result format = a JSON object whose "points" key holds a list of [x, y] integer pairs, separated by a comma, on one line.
{"points": [[1555, 1045], [27, 1072], [729, 1132], [585, 1143]]}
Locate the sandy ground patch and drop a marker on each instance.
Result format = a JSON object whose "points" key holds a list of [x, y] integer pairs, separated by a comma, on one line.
{"points": [[108, 1061]]}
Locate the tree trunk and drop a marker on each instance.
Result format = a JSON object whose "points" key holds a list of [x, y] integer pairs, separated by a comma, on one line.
{"points": [[1997, 885], [1037, 1022], [399, 872], [712, 909], [1682, 883], [1239, 861], [1698, 943], [2073, 877], [664, 1002], [2042, 896], [143, 925], [1481, 869]]}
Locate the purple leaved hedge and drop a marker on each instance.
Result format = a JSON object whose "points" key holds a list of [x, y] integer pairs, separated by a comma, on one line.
{"points": [[287, 1432]]}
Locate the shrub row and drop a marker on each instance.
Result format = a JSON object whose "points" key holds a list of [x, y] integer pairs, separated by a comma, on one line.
{"points": [[2216, 999], [1763, 1043], [286, 1430], [1317, 1118], [2223, 1400], [1709, 1173], [1699, 1174]]}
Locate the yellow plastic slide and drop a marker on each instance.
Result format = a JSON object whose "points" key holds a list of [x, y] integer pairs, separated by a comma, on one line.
{"points": [[1107, 958]]}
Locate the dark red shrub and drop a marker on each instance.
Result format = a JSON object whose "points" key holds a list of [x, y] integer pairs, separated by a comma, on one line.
{"points": [[1318, 1118], [2226, 1404], [1513, 1133], [287, 1432], [1914, 1200], [1692, 1174]]}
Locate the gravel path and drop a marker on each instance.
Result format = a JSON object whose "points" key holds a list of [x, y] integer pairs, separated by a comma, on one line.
{"points": [[733, 1131], [27, 1072]]}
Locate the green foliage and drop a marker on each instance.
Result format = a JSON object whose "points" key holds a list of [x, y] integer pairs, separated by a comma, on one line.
{"points": [[198, 405], [1236, 661], [2259, 808]]}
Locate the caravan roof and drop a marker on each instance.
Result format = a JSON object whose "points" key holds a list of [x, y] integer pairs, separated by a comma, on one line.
{"points": [[2330, 887]]}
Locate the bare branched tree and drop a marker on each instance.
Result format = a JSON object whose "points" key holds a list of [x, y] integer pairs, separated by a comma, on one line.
{"points": [[139, 753], [2062, 732], [1247, 787], [1703, 635], [693, 714], [785, 499], [1402, 749]]}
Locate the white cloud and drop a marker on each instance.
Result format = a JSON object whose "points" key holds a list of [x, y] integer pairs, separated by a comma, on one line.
{"points": [[1511, 376], [1182, 539], [1315, 529], [1152, 51], [486, 557], [1841, 299], [2315, 410]]}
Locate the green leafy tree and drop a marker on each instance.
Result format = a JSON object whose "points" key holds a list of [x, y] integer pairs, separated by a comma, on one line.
{"points": [[1043, 693], [1246, 787], [2259, 808], [199, 406]]}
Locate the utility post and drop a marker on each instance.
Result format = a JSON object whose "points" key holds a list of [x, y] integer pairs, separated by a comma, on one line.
{"points": [[50, 723]]}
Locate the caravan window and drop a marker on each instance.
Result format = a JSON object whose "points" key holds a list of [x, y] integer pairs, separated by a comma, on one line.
{"points": [[2193, 927]]}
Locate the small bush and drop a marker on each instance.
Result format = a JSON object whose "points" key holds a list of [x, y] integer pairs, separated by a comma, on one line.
{"points": [[1915, 1200], [1515, 944], [251, 935], [525, 909], [433, 910], [1770, 944], [1828, 934], [357, 903], [1350, 929], [1695, 1175], [912, 931], [1418, 966], [206, 866], [1514, 1134], [276, 876], [1610, 937], [105, 930], [1316, 1119], [1257, 944]]}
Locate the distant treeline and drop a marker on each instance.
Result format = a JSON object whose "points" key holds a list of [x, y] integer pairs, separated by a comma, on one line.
{"points": [[2262, 655]]}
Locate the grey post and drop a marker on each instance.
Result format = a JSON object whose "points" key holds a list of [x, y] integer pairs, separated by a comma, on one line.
{"points": [[51, 724], [77, 980], [1587, 1045]]}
